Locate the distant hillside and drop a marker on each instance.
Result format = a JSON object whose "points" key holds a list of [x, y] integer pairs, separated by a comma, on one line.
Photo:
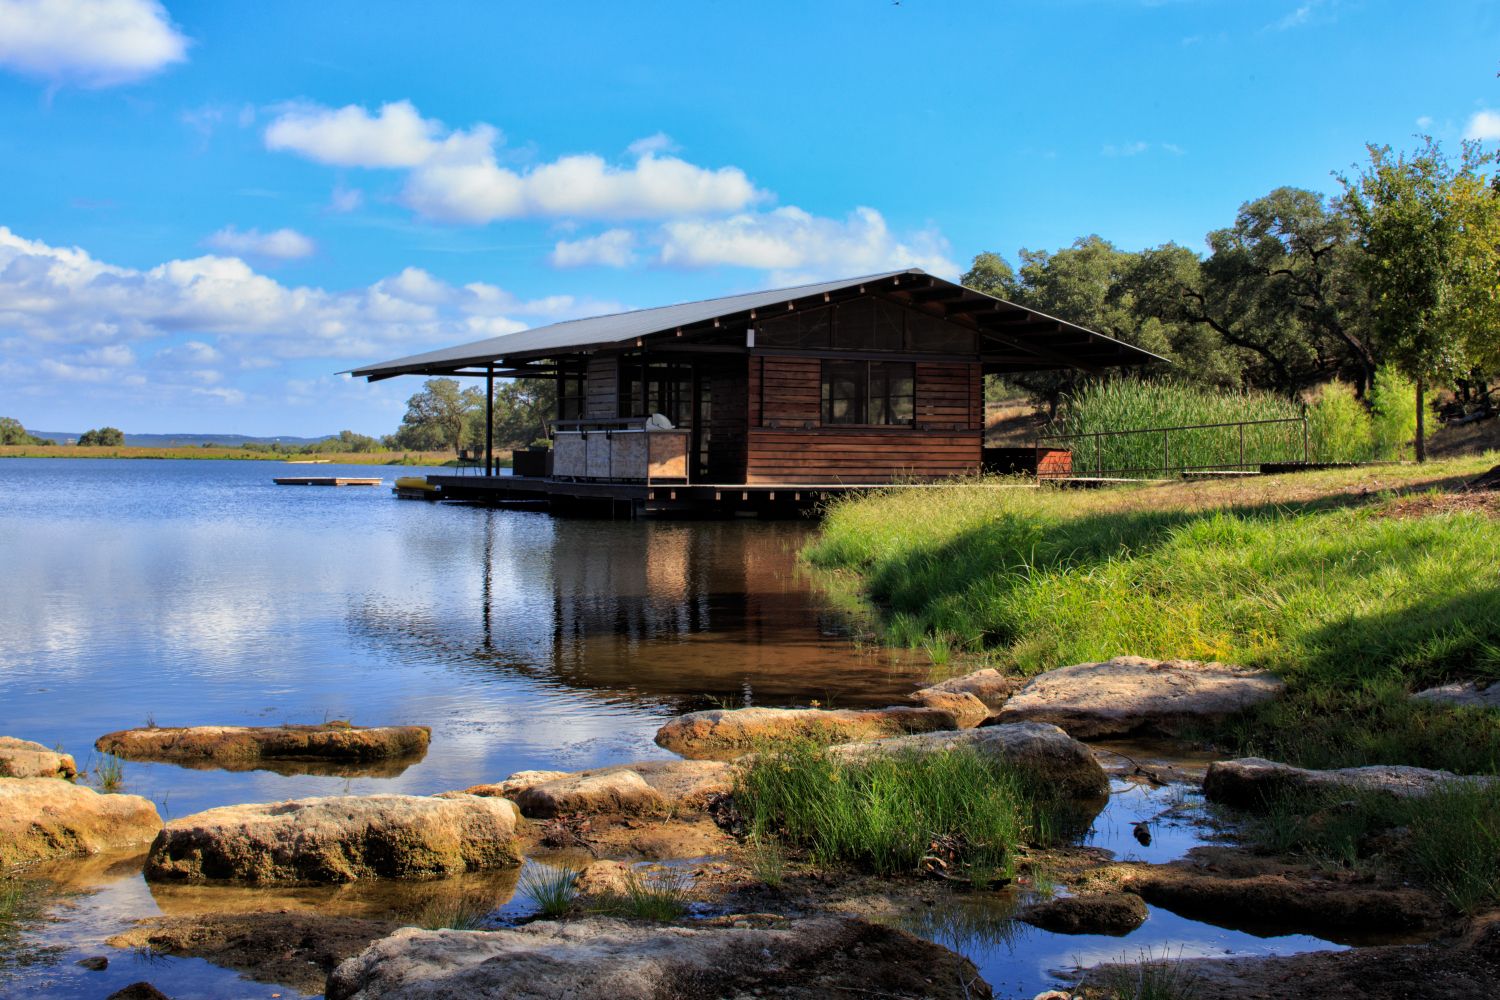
{"points": [[185, 440]]}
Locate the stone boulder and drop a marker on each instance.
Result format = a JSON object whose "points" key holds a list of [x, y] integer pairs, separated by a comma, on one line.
{"points": [[966, 709], [1251, 782], [25, 759], [1046, 753], [332, 741], [1464, 694], [513, 785], [46, 818], [724, 732], [603, 959], [1130, 694], [990, 686], [337, 839], [649, 786], [1113, 913]]}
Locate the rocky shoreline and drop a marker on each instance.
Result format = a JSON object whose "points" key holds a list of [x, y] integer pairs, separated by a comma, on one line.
{"points": [[612, 842]]}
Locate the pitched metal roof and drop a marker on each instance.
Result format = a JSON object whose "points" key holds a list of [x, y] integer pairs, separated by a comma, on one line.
{"points": [[601, 331]]}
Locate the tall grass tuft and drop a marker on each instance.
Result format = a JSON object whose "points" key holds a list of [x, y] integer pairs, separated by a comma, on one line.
{"points": [[1339, 428], [109, 773], [659, 895], [553, 889], [767, 861], [957, 811], [1149, 977]]}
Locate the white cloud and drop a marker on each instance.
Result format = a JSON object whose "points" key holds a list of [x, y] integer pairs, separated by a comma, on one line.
{"points": [[796, 245], [279, 244], [1483, 125], [660, 142], [1425, 121], [1128, 149], [351, 137], [345, 199], [611, 248], [456, 176], [93, 43], [84, 317]]}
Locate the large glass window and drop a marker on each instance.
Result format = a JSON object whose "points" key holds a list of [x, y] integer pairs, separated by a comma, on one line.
{"points": [[571, 389], [868, 392]]}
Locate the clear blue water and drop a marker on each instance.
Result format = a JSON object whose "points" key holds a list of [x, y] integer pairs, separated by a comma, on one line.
{"points": [[197, 592]]}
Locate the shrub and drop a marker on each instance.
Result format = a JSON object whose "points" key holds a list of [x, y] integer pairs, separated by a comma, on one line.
{"points": [[1339, 427], [1393, 414]]}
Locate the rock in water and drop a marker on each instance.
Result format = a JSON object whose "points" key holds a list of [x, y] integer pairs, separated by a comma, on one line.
{"points": [[337, 839], [25, 759], [648, 786], [726, 731], [1251, 782], [332, 741], [967, 710], [1113, 913], [46, 818], [603, 959], [1052, 757], [990, 686], [1132, 694]]}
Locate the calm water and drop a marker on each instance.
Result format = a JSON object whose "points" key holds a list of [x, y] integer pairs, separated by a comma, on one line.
{"points": [[195, 592], [198, 592]]}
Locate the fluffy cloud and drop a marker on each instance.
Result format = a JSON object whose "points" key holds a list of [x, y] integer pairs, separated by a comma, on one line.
{"points": [[1483, 125], [66, 316], [279, 244], [352, 137], [93, 43], [795, 245], [611, 248], [456, 176]]}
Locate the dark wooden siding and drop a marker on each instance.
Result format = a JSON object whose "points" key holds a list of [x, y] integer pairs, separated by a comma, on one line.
{"points": [[602, 386], [949, 395], [858, 456]]}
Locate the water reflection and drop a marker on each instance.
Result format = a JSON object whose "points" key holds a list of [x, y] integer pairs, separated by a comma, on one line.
{"points": [[678, 615]]}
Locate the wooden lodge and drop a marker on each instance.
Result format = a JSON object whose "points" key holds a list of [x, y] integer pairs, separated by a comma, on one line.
{"points": [[768, 401]]}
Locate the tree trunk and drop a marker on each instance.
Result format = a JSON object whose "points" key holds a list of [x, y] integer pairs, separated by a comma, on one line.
{"points": [[1421, 442]]}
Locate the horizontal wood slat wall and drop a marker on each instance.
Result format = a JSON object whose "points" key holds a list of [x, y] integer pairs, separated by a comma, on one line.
{"points": [[829, 455], [602, 386]]}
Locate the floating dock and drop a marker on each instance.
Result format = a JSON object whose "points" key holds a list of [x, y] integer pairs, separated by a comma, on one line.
{"points": [[326, 481]]}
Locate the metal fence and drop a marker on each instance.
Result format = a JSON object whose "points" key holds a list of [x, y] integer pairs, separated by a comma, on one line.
{"points": [[1243, 445]]}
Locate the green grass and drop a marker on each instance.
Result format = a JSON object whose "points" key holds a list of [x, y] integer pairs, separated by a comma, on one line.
{"points": [[1304, 575], [552, 889], [895, 814], [23, 905], [454, 913], [109, 773], [1449, 840], [659, 895], [1150, 977], [1339, 427]]}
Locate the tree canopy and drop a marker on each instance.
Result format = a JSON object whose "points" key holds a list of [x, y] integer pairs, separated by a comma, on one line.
{"points": [[111, 437]]}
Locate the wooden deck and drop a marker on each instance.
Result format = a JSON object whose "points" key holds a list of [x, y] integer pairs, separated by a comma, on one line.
{"points": [[327, 481], [769, 500]]}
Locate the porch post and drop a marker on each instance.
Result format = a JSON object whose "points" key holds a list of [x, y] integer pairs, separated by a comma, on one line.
{"points": [[489, 420]]}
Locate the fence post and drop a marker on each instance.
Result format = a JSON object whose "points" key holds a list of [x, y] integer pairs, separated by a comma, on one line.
{"points": [[1306, 455], [1099, 455], [1166, 462], [1242, 446]]}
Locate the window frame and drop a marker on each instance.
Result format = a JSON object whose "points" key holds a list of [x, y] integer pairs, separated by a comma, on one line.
{"points": [[869, 402]]}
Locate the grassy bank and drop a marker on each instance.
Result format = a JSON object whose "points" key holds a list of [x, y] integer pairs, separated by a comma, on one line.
{"points": [[1355, 585], [428, 458]]}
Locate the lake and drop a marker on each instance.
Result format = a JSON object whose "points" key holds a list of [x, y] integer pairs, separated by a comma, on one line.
{"points": [[197, 592]]}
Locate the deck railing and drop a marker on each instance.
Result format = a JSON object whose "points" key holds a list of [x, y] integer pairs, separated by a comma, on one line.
{"points": [[1241, 445]]}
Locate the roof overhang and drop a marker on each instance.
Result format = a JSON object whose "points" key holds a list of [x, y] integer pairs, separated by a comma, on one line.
{"points": [[1013, 337]]}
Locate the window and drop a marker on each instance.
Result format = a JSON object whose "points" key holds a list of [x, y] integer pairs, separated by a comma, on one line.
{"points": [[570, 395], [868, 392]]}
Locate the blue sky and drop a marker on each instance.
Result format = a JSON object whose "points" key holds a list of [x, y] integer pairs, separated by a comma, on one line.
{"points": [[210, 209]]}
